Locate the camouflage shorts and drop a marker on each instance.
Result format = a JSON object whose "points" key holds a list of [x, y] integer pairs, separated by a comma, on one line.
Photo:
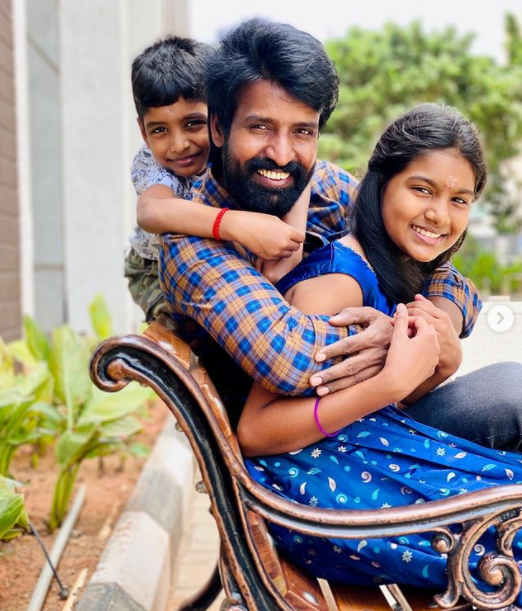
{"points": [[144, 285]]}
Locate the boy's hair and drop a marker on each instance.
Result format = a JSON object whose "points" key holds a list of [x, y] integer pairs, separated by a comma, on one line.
{"points": [[169, 69], [426, 128], [279, 53]]}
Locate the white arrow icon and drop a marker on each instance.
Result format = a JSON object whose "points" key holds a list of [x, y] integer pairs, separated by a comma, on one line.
{"points": [[500, 318]]}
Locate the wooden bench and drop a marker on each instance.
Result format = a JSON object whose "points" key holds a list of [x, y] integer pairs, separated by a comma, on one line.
{"points": [[254, 576]]}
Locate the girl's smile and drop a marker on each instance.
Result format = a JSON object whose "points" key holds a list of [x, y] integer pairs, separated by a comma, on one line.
{"points": [[426, 207]]}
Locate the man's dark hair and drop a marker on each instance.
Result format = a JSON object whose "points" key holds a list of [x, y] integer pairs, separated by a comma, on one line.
{"points": [[169, 69], [424, 129], [259, 50]]}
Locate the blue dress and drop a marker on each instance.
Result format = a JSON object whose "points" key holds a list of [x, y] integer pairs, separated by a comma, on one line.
{"points": [[385, 459]]}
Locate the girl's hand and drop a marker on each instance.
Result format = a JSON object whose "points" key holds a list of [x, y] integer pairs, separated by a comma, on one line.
{"points": [[264, 235], [410, 360], [450, 347]]}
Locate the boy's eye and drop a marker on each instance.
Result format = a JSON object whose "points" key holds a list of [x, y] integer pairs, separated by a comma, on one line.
{"points": [[196, 124], [159, 130]]}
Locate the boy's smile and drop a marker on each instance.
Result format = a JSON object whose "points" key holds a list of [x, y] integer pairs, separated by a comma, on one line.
{"points": [[425, 208], [177, 136]]}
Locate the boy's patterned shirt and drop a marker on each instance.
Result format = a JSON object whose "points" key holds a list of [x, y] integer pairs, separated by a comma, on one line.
{"points": [[214, 285], [146, 172]]}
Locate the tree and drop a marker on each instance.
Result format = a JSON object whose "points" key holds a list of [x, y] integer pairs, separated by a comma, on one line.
{"points": [[383, 74]]}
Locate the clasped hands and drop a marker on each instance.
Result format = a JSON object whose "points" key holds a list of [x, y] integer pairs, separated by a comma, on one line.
{"points": [[369, 350]]}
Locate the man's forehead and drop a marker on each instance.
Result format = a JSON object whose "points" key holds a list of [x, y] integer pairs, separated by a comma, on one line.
{"points": [[266, 99]]}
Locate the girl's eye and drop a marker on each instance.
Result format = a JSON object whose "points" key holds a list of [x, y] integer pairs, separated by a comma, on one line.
{"points": [[459, 200], [422, 190]]}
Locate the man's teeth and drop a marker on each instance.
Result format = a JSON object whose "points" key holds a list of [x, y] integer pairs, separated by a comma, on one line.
{"points": [[274, 175], [428, 234]]}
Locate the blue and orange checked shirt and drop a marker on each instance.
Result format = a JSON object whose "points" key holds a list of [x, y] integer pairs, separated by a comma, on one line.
{"points": [[214, 285]]}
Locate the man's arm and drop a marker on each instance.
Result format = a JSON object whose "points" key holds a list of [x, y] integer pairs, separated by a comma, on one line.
{"points": [[214, 284]]}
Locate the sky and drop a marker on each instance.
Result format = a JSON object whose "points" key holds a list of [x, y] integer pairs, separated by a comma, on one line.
{"points": [[331, 18]]}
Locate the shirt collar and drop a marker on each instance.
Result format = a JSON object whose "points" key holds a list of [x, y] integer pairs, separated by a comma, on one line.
{"points": [[209, 191]]}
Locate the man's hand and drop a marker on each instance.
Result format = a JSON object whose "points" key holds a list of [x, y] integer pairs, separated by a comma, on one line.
{"points": [[451, 350], [368, 348]]}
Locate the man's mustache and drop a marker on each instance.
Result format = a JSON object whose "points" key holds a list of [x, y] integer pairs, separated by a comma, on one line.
{"points": [[294, 168]]}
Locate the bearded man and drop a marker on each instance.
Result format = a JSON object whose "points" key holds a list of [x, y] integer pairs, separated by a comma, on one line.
{"points": [[271, 88]]}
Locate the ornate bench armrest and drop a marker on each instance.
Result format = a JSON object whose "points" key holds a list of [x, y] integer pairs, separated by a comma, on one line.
{"points": [[165, 363]]}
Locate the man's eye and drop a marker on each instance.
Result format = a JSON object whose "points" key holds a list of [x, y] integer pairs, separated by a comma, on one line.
{"points": [[259, 126], [304, 131]]}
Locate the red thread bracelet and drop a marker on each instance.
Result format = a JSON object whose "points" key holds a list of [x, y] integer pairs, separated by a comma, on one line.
{"points": [[217, 223], [316, 418]]}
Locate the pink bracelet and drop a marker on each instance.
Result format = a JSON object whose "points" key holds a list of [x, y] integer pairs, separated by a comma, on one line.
{"points": [[316, 417]]}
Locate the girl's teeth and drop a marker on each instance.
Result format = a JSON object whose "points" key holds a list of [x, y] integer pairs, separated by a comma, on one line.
{"points": [[428, 234]]}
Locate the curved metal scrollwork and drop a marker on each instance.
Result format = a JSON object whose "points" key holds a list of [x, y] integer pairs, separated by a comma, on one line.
{"points": [[118, 361], [499, 570]]}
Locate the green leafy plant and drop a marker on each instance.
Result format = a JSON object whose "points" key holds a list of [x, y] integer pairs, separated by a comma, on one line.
{"points": [[13, 516], [27, 415], [55, 397], [486, 271]]}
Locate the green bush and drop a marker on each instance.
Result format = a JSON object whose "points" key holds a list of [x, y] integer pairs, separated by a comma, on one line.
{"points": [[55, 399]]}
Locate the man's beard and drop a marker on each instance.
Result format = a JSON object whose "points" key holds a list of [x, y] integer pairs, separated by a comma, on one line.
{"points": [[255, 197]]}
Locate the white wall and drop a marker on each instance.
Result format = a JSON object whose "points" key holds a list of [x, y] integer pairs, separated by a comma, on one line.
{"points": [[83, 137]]}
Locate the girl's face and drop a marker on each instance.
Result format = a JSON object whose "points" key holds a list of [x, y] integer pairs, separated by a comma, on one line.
{"points": [[426, 207]]}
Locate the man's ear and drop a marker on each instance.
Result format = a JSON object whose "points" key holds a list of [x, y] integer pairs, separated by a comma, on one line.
{"points": [[142, 131], [216, 132]]}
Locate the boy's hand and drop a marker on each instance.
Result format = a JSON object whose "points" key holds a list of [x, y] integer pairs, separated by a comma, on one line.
{"points": [[266, 236], [368, 348], [273, 271]]}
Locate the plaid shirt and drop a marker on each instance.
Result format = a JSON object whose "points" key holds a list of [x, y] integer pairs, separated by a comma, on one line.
{"points": [[214, 284]]}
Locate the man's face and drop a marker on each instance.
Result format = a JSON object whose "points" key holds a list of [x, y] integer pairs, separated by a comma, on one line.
{"points": [[270, 153]]}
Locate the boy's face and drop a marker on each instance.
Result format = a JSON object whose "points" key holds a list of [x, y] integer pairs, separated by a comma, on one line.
{"points": [[177, 136]]}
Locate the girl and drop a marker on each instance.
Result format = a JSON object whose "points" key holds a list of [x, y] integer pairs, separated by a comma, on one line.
{"points": [[355, 449]]}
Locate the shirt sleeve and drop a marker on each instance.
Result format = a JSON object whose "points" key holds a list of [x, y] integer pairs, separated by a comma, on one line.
{"points": [[447, 282], [273, 342], [146, 172]]}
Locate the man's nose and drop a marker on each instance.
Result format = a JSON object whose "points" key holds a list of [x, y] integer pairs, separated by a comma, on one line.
{"points": [[280, 149]]}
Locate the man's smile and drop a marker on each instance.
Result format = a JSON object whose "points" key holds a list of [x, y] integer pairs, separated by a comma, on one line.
{"points": [[274, 175]]}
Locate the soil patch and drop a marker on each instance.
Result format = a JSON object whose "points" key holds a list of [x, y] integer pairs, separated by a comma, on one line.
{"points": [[108, 490]]}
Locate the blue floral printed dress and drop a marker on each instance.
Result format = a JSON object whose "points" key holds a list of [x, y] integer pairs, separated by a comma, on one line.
{"points": [[385, 459]]}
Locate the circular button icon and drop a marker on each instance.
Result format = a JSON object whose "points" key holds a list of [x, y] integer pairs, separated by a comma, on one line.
{"points": [[500, 318]]}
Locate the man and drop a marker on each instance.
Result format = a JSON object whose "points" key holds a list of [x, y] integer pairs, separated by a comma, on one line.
{"points": [[271, 89]]}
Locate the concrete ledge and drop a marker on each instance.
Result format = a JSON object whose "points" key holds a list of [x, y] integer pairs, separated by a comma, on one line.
{"points": [[135, 570], [106, 597]]}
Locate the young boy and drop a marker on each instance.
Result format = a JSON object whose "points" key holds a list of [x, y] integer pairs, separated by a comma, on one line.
{"points": [[168, 90]]}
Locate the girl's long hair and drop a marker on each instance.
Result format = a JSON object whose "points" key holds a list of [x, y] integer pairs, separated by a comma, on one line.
{"points": [[426, 128]]}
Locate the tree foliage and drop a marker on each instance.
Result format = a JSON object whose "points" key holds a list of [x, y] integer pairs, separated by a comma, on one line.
{"points": [[383, 74]]}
